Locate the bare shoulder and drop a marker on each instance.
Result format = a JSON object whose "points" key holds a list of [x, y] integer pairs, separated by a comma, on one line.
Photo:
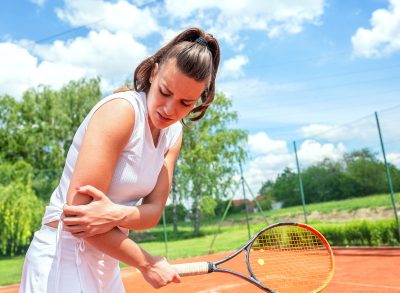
{"points": [[114, 119]]}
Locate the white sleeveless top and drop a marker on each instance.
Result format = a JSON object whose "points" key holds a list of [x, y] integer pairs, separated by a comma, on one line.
{"points": [[139, 164]]}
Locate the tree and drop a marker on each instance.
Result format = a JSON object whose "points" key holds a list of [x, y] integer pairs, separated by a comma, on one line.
{"points": [[327, 180], [359, 173], [285, 188], [179, 211], [209, 158], [366, 172], [20, 209], [266, 198], [39, 129]]}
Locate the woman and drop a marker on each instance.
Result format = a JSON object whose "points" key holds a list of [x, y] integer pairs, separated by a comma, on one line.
{"points": [[126, 148]]}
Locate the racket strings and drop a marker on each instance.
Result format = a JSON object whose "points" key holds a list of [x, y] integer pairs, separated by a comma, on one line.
{"points": [[290, 259]]}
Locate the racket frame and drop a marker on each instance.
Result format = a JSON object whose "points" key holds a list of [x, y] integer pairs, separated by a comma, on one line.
{"points": [[213, 266]]}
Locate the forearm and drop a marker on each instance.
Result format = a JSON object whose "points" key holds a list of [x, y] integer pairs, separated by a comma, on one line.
{"points": [[117, 245], [140, 217]]}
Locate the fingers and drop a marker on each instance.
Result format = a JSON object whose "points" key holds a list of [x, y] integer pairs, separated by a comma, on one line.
{"points": [[73, 229], [69, 211], [81, 234], [91, 191], [71, 221]]}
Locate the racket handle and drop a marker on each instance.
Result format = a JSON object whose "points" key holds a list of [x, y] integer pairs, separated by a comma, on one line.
{"points": [[193, 268]]}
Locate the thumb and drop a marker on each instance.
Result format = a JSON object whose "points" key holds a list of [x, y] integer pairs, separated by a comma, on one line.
{"points": [[95, 193]]}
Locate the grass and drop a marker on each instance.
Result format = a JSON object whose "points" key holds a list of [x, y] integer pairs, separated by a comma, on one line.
{"points": [[233, 232], [11, 269], [351, 204]]}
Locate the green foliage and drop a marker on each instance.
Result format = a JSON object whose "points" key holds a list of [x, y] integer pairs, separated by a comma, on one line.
{"points": [[35, 135], [207, 206], [181, 212], [266, 198], [266, 202], [209, 158], [361, 233], [21, 213], [367, 173], [19, 170], [285, 188], [358, 173], [39, 128]]}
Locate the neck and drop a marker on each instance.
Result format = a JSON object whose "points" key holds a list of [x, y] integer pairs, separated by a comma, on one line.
{"points": [[155, 132]]}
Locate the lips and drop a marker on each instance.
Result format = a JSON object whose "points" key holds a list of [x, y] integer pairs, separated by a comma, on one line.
{"points": [[163, 118]]}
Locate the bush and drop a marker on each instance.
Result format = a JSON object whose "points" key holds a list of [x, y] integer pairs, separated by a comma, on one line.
{"points": [[181, 212], [361, 233]]}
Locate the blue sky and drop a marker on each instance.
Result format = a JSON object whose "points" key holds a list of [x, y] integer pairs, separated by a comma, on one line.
{"points": [[296, 70]]}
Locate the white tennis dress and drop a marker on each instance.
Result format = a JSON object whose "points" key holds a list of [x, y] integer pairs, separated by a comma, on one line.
{"points": [[56, 261]]}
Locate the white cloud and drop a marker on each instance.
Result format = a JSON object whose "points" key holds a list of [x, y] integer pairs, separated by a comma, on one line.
{"points": [[120, 16], [312, 151], [227, 18], [384, 36], [362, 131], [102, 53], [261, 144], [234, 67], [56, 74], [113, 57], [21, 70], [393, 158], [110, 50], [17, 69], [167, 36], [269, 157]]}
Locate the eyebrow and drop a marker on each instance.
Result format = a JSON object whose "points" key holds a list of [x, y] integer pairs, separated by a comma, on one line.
{"points": [[171, 93]]}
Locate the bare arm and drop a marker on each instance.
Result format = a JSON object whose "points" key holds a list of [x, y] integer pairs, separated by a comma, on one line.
{"points": [[108, 133], [101, 215], [149, 212]]}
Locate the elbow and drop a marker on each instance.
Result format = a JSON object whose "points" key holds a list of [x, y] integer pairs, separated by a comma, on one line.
{"points": [[155, 218], [150, 223], [154, 222]]}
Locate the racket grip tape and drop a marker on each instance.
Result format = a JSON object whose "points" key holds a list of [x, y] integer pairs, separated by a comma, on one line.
{"points": [[193, 268]]}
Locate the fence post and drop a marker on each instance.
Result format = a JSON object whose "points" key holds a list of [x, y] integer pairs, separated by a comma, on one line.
{"points": [[165, 234], [219, 226], [300, 182], [245, 200], [389, 178]]}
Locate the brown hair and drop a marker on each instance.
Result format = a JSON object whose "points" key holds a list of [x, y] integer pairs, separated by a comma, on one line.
{"points": [[198, 60]]}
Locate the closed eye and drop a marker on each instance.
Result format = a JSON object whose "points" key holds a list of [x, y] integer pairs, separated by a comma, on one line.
{"points": [[186, 104], [163, 94]]}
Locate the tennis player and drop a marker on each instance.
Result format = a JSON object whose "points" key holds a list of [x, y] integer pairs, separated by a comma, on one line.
{"points": [[122, 154]]}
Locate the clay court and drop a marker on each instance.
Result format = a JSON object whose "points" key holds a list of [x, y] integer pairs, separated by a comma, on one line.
{"points": [[356, 270]]}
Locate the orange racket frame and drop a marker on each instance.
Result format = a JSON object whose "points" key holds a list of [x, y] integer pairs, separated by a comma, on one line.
{"points": [[199, 268]]}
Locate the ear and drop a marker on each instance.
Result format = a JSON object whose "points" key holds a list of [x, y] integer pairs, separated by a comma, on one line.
{"points": [[154, 72]]}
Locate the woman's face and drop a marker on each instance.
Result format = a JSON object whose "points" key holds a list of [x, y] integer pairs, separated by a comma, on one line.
{"points": [[172, 95]]}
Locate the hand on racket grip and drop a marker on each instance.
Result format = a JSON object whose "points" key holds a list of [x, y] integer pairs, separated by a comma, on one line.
{"points": [[160, 273]]}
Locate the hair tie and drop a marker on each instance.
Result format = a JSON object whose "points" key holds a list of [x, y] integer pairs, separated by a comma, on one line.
{"points": [[201, 41]]}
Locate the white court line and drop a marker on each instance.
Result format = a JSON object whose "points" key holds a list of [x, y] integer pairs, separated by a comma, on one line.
{"points": [[367, 285]]}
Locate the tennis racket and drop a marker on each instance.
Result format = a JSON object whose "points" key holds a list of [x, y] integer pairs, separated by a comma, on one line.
{"points": [[283, 257]]}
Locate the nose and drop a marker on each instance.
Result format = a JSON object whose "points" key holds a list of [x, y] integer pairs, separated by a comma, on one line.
{"points": [[169, 107]]}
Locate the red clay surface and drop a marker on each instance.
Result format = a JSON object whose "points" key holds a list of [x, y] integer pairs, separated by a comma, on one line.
{"points": [[356, 270]]}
